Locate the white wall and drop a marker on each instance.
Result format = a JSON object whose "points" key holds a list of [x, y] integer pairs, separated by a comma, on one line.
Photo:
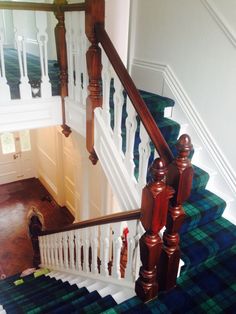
{"points": [[184, 36]]}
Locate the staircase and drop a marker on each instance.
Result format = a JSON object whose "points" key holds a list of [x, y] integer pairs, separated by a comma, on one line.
{"points": [[146, 164]]}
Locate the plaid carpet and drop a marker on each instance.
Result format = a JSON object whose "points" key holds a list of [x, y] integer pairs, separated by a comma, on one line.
{"points": [[207, 283]]}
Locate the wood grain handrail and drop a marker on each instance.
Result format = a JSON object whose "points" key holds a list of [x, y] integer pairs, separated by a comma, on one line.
{"points": [[117, 217], [134, 95], [35, 6]]}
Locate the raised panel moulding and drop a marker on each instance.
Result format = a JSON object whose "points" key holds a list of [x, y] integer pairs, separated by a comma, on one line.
{"points": [[178, 92], [220, 20]]}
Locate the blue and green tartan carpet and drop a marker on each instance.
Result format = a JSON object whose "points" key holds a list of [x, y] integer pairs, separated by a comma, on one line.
{"points": [[207, 283]]}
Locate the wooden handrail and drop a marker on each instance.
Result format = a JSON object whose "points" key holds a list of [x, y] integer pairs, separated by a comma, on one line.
{"points": [[32, 6], [137, 101], [117, 217], [35, 6]]}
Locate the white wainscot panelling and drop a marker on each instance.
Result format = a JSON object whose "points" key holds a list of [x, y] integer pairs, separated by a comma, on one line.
{"points": [[75, 116], [30, 114]]}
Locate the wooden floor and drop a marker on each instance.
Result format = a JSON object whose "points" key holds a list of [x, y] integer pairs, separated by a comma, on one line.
{"points": [[15, 200]]}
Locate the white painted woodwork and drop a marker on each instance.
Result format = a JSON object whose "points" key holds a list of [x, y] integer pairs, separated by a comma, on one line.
{"points": [[70, 57], [5, 90], [106, 84], [104, 249], [118, 99], [64, 251], [117, 245], [42, 38], [131, 127], [144, 154]]}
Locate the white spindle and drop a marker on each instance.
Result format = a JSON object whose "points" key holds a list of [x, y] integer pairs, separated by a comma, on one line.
{"points": [[56, 245], [106, 82], [42, 38], [72, 249], [25, 88], [131, 244], [78, 249], [104, 249], [144, 154], [117, 245], [45, 256], [65, 250], [60, 249], [48, 250], [84, 48], [94, 247], [52, 249], [118, 106], [70, 56], [77, 55], [85, 241], [131, 127], [5, 90]]}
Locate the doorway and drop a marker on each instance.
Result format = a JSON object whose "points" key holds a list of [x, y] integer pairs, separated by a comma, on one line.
{"points": [[15, 156]]}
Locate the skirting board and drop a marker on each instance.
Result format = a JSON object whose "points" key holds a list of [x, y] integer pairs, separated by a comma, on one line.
{"points": [[169, 86]]}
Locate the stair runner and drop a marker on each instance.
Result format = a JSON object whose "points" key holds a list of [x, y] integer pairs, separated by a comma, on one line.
{"points": [[207, 283]]}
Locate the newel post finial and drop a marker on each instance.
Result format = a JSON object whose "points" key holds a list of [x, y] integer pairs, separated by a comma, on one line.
{"points": [[60, 37], [180, 176], [94, 13], [155, 201]]}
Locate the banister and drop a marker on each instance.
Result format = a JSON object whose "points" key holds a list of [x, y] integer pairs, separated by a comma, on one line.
{"points": [[112, 218], [137, 101], [35, 6]]}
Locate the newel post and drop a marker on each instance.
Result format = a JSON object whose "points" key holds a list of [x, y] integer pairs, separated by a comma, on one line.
{"points": [[180, 176], [60, 37], [95, 13], [35, 228], [155, 202]]}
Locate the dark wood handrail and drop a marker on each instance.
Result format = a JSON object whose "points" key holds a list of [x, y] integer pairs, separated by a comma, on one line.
{"points": [[32, 6], [117, 217], [35, 6], [134, 95]]}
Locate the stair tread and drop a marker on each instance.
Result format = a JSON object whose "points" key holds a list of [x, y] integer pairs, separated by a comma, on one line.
{"points": [[202, 207], [207, 241]]}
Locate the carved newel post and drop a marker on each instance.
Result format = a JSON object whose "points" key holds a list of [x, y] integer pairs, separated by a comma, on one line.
{"points": [[95, 13], [60, 36], [155, 200], [180, 176]]}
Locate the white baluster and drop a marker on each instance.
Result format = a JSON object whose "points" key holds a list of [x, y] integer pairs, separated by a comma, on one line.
{"points": [[131, 244], [84, 48], [42, 38], [72, 249], [106, 81], [131, 127], [117, 245], [144, 154], [77, 54], [41, 250], [104, 248], [94, 248], [48, 250], [25, 88], [60, 249], [5, 90], [70, 55], [85, 241], [65, 250], [52, 249], [56, 246], [78, 249], [118, 105], [45, 250], [137, 260]]}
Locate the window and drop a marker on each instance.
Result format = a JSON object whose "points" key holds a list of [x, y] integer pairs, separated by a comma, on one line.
{"points": [[25, 141], [8, 143]]}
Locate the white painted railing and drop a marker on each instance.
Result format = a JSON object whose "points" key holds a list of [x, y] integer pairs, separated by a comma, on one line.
{"points": [[95, 251], [31, 40], [116, 130]]}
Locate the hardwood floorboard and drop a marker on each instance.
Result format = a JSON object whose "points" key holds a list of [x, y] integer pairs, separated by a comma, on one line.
{"points": [[15, 200]]}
